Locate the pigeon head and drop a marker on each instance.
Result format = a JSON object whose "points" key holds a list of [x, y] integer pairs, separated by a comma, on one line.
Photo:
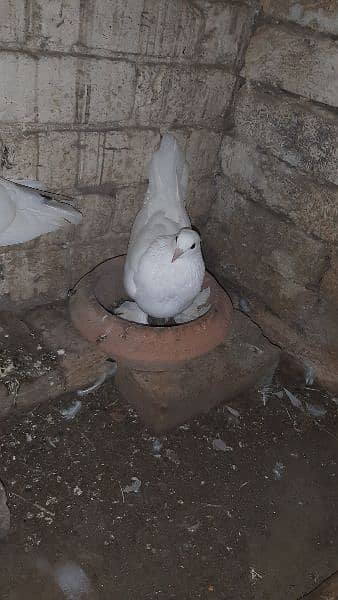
{"points": [[187, 241]]}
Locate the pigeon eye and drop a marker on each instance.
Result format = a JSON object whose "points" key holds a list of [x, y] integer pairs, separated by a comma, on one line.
{"points": [[193, 246]]}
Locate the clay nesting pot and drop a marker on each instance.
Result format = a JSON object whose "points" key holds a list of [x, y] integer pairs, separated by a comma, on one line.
{"points": [[141, 346], [168, 374]]}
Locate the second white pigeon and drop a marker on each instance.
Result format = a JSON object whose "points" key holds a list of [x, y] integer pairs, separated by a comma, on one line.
{"points": [[26, 214], [164, 268]]}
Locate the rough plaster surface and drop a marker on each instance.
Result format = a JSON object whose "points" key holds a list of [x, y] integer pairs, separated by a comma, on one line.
{"points": [[87, 89], [272, 232]]}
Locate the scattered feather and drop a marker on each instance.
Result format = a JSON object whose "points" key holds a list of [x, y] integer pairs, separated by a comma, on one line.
{"points": [[69, 577], [316, 410], [255, 349], [221, 446], [254, 575], [309, 374], [71, 411], [265, 393], [109, 371], [72, 581], [233, 411], [157, 445], [294, 400], [244, 305]]}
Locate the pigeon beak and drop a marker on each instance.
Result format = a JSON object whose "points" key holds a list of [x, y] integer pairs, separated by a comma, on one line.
{"points": [[178, 252]]}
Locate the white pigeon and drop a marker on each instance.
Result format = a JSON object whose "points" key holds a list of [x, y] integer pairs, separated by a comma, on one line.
{"points": [[164, 268], [25, 213]]}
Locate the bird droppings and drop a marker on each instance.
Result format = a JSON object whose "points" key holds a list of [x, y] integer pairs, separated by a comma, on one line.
{"points": [[53, 441], [172, 456], [134, 487], [194, 528], [109, 370], [7, 365], [19, 365], [254, 575], [278, 470]]}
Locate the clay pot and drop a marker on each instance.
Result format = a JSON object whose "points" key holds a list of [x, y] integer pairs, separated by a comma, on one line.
{"points": [[168, 374], [140, 346]]}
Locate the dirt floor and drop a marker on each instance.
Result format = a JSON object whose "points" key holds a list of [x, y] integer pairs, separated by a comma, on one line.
{"points": [[231, 506]]}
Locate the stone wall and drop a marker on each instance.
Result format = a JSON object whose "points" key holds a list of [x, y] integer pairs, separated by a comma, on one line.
{"points": [[249, 87], [87, 86], [273, 231]]}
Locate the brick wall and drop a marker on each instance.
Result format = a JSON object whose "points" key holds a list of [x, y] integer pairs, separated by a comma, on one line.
{"points": [[273, 231], [86, 88], [250, 89]]}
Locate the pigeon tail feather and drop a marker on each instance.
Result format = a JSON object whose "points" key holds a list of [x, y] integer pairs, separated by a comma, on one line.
{"points": [[168, 178]]}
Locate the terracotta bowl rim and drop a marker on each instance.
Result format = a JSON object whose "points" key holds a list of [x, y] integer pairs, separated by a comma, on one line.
{"points": [[147, 346]]}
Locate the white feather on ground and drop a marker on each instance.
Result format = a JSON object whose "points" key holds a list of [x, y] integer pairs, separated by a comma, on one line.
{"points": [[25, 214], [72, 580], [69, 577]]}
